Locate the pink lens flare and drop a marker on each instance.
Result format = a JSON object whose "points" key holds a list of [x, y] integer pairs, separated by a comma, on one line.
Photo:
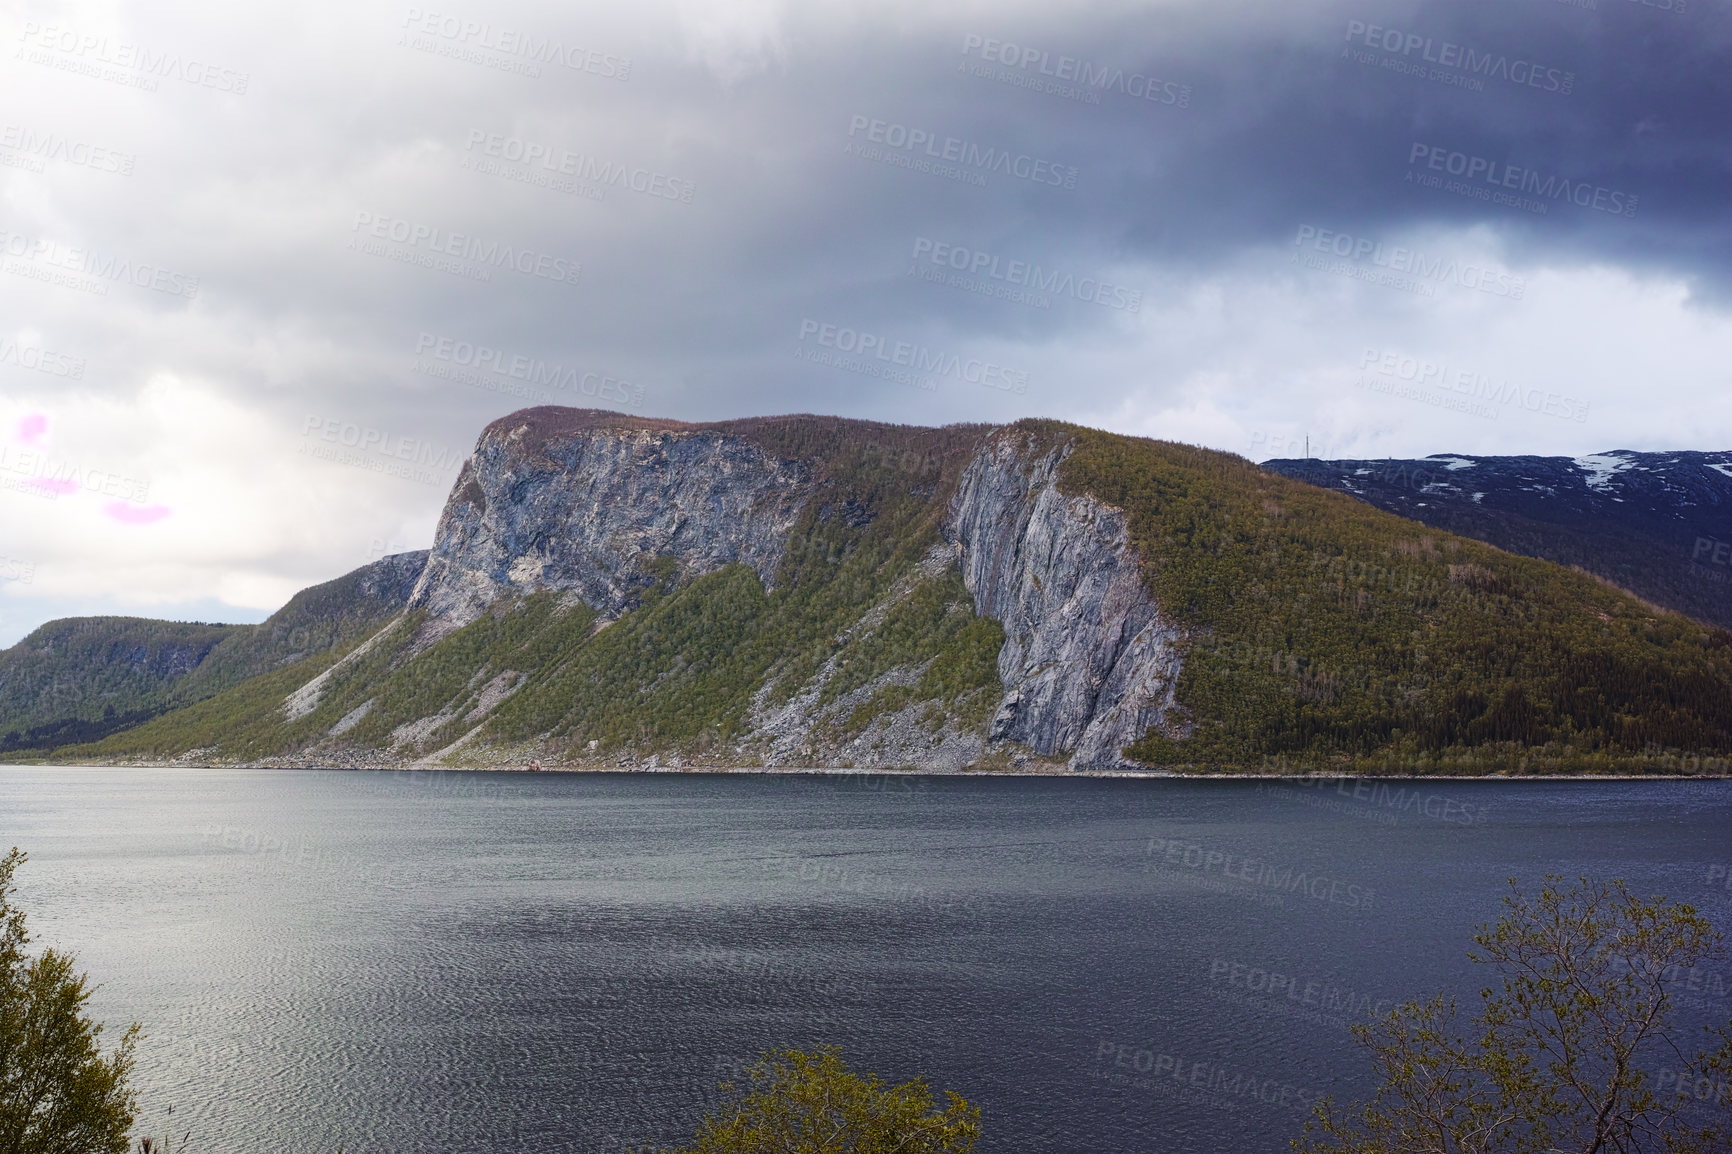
{"points": [[133, 515], [31, 428], [59, 488]]}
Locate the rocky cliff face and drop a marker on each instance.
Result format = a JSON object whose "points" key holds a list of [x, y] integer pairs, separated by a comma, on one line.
{"points": [[587, 509], [1089, 664], [391, 580]]}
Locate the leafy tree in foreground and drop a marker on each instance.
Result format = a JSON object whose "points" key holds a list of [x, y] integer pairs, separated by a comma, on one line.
{"points": [[1560, 1059], [811, 1104], [57, 1093]]}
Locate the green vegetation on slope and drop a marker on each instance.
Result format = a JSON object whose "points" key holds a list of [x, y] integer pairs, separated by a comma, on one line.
{"points": [[238, 723], [1328, 634], [448, 680], [935, 629], [443, 683], [667, 673], [81, 677], [683, 669]]}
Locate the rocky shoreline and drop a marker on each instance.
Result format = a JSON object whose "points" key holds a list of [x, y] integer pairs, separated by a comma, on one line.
{"points": [[679, 765]]}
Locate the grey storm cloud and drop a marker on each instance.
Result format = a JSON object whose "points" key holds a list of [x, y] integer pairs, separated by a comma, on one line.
{"points": [[1181, 219], [1262, 126]]}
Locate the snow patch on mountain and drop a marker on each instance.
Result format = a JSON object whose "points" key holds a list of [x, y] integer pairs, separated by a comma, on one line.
{"points": [[1602, 467]]}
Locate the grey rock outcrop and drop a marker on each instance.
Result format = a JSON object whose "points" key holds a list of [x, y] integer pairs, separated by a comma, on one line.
{"points": [[793, 732], [1089, 664], [391, 579], [586, 509]]}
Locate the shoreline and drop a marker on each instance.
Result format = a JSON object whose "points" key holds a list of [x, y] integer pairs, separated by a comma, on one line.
{"points": [[845, 771]]}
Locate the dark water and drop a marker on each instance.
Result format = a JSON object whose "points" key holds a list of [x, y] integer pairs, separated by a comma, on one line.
{"points": [[537, 962]]}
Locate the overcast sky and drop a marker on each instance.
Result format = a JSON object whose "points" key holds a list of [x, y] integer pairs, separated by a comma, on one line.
{"points": [[269, 270]]}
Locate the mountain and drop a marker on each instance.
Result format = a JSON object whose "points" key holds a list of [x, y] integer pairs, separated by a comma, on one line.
{"points": [[1657, 524], [609, 590], [80, 678]]}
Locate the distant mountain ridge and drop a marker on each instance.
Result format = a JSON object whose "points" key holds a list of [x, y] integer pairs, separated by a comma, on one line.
{"points": [[612, 591], [1657, 524], [78, 679], [81, 678]]}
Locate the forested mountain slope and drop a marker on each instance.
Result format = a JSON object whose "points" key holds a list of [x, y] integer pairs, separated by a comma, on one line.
{"points": [[1657, 524]]}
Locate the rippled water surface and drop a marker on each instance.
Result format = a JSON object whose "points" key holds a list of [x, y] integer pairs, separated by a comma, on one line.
{"points": [[539, 962]]}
